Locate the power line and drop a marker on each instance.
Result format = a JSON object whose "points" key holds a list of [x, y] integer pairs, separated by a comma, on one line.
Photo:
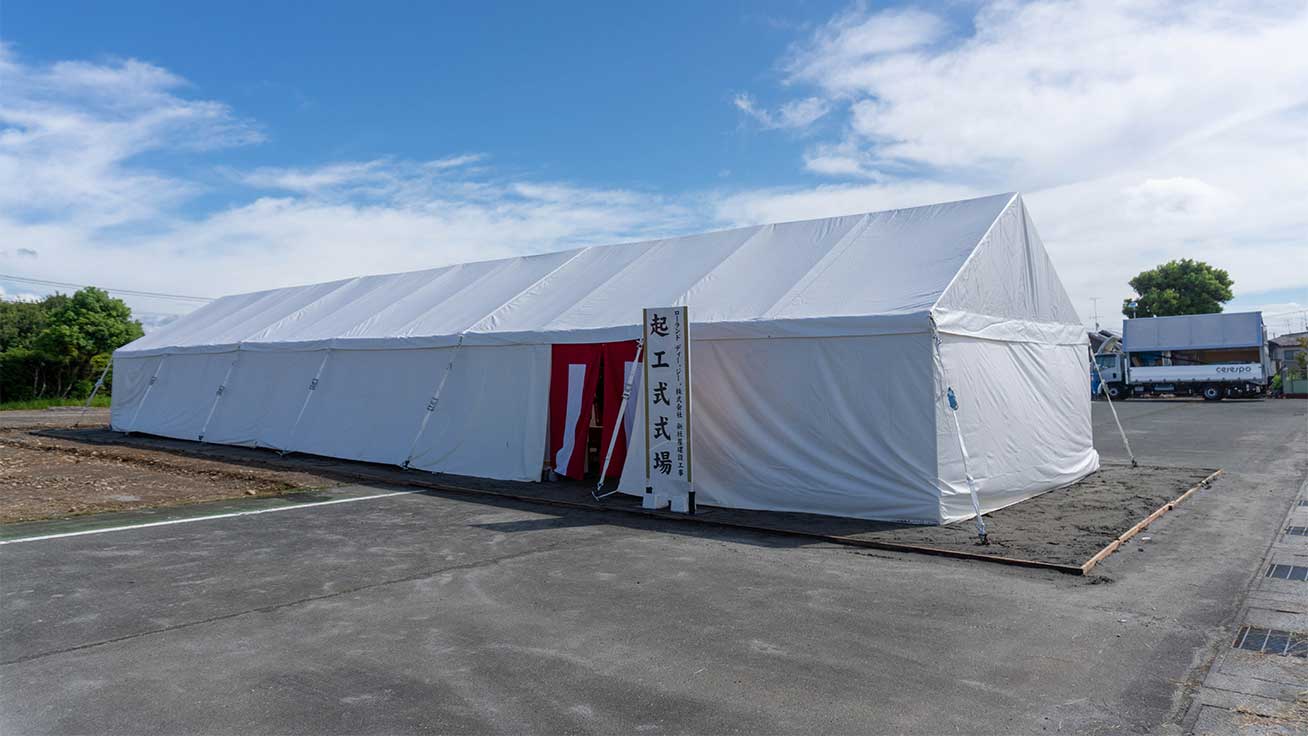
{"points": [[130, 292]]}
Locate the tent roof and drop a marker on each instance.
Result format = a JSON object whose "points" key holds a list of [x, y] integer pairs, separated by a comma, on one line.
{"points": [[857, 274]]}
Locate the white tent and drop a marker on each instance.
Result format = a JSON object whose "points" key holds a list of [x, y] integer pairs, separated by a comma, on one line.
{"points": [[821, 356]]}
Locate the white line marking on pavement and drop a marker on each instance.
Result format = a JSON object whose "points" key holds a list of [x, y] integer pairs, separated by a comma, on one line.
{"points": [[208, 518]]}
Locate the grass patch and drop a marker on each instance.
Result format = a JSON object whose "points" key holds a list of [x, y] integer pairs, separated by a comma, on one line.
{"points": [[101, 401]]}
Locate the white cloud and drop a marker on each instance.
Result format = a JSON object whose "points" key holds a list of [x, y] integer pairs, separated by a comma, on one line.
{"points": [[74, 187], [1282, 318], [55, 157], [839, 53], [380, 177], [1139, 131], [1055, 89], [792, 115]]}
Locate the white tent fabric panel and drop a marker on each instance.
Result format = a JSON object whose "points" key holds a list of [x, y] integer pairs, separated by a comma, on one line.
{"points": [[662, 274], [860, 269], [131, 378], [1024, 409], [269, 308], [370, 403], [536, 308], [1008, 288], [263, 398], [492, 415], [840, 426], [718, 296], [325, 317], [182, 394], [481, 294], [900, 262]]}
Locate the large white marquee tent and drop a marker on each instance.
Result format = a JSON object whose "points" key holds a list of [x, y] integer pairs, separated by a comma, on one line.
{"points": [[821, 356]]}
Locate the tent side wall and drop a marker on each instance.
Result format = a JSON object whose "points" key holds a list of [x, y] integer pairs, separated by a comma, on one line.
{"points": [[1024, 409], [1014, 350], [130, 380], [367, 404], [838, 425]]}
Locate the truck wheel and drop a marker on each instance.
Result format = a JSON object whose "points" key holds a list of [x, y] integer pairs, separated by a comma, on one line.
{"points": [[1212, 393], [1116, 391]]}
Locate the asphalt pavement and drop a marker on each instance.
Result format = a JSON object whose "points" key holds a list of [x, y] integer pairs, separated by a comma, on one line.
{"points": [[418, 613]]}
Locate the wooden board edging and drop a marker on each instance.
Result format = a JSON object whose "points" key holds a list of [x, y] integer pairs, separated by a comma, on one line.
{"points": [[1144, 523]]}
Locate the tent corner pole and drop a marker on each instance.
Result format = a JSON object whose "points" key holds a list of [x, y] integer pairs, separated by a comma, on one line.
{"points": [[1103, 388], [982, 535], [94, 390]]}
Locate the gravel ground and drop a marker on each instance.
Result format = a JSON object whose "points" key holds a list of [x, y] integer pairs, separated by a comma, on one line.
{"points": [[50, 478]]}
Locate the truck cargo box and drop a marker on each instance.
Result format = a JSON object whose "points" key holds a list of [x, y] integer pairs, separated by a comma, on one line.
{"points": [[1193, 332]]}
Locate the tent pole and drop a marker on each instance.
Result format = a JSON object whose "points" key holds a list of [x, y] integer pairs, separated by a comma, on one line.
{"points": [[1103, 388], [617, 422], [313, 386], [222, 387], [94, 390], [432, 404], [131, 426], [981, 533]]}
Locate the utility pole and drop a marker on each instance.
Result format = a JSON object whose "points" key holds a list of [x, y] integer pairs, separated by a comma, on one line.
{"points": [[1095, 301]]}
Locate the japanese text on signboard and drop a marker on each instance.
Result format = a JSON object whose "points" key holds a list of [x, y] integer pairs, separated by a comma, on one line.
{"points": [[667, 400]]}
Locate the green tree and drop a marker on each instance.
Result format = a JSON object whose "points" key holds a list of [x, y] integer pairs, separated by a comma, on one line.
{"points": [[1179, 287], [56, 347], [21, 322]]}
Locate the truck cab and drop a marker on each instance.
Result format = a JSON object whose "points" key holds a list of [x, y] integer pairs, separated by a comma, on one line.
{"points": [[1112, 374]]}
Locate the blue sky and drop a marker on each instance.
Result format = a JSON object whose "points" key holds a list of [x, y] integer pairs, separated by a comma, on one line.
{"points": [[638, 94], [223, 147]]}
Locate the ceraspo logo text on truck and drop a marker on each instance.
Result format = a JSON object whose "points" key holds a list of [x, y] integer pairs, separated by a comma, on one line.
{"points": [[1235, 369]]}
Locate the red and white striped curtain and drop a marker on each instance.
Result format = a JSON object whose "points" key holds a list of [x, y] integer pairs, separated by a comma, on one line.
{"points": [[574, 374]]}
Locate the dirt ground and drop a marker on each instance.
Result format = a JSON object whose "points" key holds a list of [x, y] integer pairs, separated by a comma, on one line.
{"points": [[50, 470], [1066, 526], [47, 478]]}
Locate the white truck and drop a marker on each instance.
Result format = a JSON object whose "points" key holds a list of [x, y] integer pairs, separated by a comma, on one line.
{"points": [[1211, 355]]}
